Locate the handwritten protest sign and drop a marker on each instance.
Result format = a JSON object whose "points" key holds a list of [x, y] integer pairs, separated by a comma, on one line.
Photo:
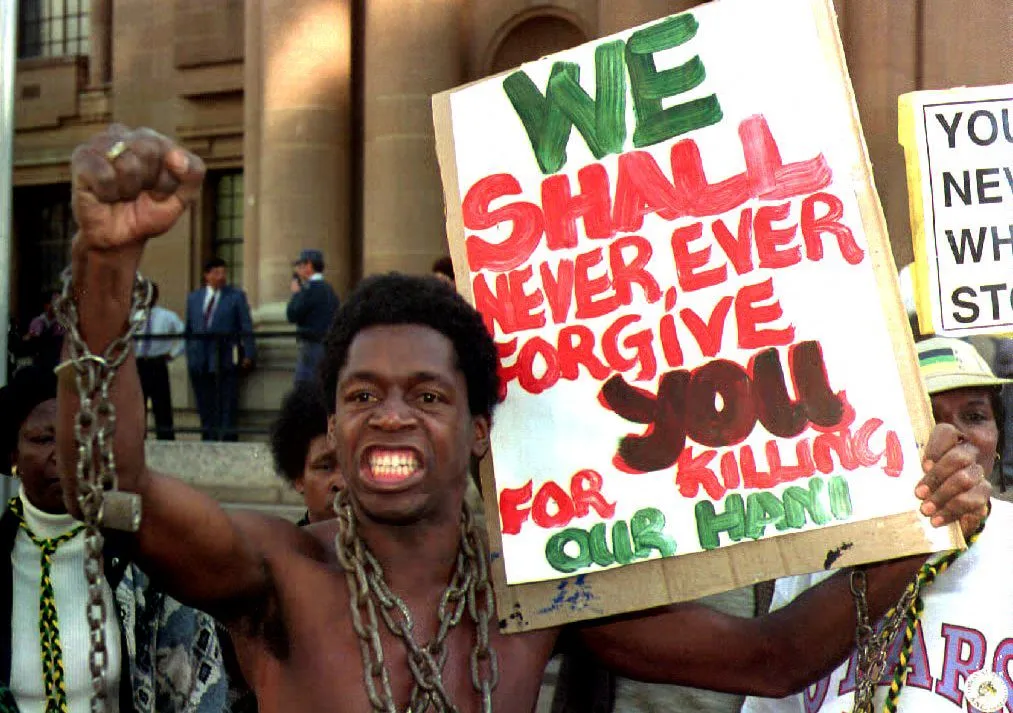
{"points": [[958, 144], [674, 238]]}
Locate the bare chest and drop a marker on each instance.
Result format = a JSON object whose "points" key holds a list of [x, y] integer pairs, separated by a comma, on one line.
{"points": [[336, 660]]}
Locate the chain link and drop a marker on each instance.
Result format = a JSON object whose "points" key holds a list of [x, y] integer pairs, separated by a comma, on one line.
{"points": [[94, 427], [469, 589], [871, 646]]}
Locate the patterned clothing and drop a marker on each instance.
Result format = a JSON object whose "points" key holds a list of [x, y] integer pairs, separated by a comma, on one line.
{"points": [[172, 652], [967, 626]]}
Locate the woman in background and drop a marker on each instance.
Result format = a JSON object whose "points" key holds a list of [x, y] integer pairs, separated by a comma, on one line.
{"points": [[162, 656]]}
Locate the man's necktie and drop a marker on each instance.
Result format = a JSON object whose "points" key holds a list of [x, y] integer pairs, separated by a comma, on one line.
{"points": [[210, 309]]}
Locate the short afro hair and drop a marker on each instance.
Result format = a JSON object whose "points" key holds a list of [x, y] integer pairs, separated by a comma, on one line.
{"points": [[302, 418], [394, 299]]}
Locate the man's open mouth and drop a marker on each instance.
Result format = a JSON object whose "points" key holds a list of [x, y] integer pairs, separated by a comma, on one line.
{"points": [[392, 465]]}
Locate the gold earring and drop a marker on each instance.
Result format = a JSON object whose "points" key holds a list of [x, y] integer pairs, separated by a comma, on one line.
{"points": [[14, 470]]}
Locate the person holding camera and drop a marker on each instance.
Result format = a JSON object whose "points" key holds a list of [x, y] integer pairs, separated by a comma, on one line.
{"points": [[311, 309]]}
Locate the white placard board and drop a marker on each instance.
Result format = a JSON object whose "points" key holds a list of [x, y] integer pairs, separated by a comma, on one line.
{"points": [[674, 238]]}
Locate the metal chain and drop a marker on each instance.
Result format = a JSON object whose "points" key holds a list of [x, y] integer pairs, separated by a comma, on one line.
{"points": [[469, 589], [481, 608], [97, 495], [871, 646]]}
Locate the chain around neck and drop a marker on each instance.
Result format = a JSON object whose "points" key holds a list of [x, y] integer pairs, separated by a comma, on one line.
{"points": [[469, 588]]}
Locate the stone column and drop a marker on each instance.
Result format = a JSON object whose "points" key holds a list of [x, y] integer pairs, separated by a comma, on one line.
{"points": [[253, 106], [296, 163], [413, 49], [297, 150], [100, 19]]}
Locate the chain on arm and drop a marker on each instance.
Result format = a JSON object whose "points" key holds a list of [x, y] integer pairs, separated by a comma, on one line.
{"points": [[872, 647], [102, 504], [926, 576]]}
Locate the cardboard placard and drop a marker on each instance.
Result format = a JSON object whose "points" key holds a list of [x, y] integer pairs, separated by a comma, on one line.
{"points": [[674, 237], [957, 146]]}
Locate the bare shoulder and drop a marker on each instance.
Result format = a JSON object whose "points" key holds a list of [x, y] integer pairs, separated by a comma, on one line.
{"points": [[323, 533], [277, 537]]}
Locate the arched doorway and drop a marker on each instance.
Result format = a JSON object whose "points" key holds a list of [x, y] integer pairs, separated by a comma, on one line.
{"points": [[531, 36]]}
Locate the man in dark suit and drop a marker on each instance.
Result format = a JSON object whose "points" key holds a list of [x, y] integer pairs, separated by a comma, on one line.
{"points": [[220, 312], [311, 309]]}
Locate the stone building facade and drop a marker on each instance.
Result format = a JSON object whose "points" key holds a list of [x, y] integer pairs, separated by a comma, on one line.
{"points": [[314, 119]]}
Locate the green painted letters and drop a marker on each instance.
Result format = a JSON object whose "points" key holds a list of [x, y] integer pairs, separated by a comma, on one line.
{"points": [[799, 501], [840, 498], [557, 557], [547, 119], [763, 509], [649, 86], [547, 126], [601, 121], [600, 553], [647, 529], [622, 546], [630, 543], [709, 524]]}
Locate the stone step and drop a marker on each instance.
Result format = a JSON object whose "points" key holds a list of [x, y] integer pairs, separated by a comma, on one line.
{"points": [[234, 474]]}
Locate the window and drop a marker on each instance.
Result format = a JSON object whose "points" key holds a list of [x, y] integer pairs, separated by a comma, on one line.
{"points": [[53, 28], [227, 237], [45, 228]]}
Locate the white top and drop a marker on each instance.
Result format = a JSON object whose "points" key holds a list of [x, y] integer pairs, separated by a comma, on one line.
{"points": [[70, 587], [160, 321], [967, 626]]}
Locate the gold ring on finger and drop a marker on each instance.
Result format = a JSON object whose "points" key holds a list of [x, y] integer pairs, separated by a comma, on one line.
{"points": [[115, 151]]}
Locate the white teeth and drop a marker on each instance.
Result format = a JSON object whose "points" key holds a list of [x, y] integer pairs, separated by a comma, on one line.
{"points": [[393, 465]]}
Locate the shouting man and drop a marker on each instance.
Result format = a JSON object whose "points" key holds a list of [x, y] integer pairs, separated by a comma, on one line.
{"points": [[410, 376]]}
